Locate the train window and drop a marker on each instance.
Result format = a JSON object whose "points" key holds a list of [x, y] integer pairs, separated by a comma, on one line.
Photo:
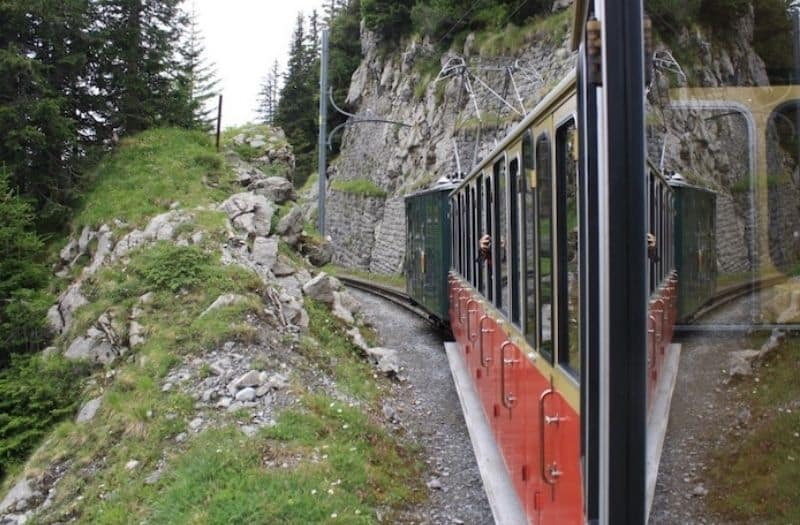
{"points": [[467, 236], [568, 224], [513, 243], [487, 216], [500, 238], [453, 236], [473, 234], [529, 226], [461, 234], [544, 193]]}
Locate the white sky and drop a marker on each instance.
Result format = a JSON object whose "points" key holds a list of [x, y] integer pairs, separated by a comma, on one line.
{"points": [[242, 39]]}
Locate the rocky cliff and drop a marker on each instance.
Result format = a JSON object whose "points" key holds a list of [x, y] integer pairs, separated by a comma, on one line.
{"points": [[436, 119]]}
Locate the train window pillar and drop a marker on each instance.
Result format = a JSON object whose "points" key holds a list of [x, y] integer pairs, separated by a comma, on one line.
{"points": [[568, 224], [514, 239], [544, 223], [487, 214], [529, 238], [500, 238]]}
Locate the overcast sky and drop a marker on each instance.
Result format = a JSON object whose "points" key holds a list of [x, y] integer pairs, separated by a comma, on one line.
{"points": [[243, 38]]}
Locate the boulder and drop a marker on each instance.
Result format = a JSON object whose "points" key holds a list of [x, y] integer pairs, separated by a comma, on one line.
{"points": [[249, 212], [318, 253], [18, 497], [87, 236], [340, 311], [251, 378], [321, 288], [740, 363], [129, 242], [224, 300], [105, 243], [94, 346], [295, 313], [385, 360], [163, 227], [276, 189], [282, 267], [135, 334], [265, 252], [69, 252], [292, 223], [89, 410]]}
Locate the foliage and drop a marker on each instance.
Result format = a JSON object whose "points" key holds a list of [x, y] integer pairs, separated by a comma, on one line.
{"points": [[268, 96], [364, 187], [297, 107], [389, 18], [772, 38], [149, 172], [198, 80], [35, 393], [170, 267], [345, 57], [754, 476], [23, 277]]}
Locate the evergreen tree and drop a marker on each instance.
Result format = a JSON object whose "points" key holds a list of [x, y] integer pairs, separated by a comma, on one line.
{"points": [[198, 80], [43, 67], [139, 64], [23, 303], [268, 95], [298, 101], [345, 56]]}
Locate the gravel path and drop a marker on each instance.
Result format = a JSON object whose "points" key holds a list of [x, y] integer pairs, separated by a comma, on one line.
{"points": [[427, 407], [703, 415]]}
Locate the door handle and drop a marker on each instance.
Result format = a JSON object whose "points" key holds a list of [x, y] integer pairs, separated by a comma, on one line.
{"points": [[551, 472], [470, 311], [508, 399], [484, 360]]}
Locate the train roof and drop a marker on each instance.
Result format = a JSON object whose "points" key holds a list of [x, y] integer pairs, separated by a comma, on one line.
{"points": [[443, 184], [555, 96]]}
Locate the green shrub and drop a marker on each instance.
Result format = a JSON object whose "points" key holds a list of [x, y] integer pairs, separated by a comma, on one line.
{"points": [[364, 187], [35, 393], [390, 18], [170, 267]]}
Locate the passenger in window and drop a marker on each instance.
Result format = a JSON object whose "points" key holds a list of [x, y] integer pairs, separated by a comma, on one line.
{"points": [[652, 248], [485, 249]]}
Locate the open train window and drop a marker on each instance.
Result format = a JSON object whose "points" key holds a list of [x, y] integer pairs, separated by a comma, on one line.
{"points": [[544, 219], [488, 222], [529, 241], [473, 234], [453, 236], [500, 238], [568, 224], [513, 238]]}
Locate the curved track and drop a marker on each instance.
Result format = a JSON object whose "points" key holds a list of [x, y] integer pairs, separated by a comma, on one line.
{"points": [[389, 293]]}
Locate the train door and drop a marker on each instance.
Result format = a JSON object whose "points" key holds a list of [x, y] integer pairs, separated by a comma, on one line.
{"points": [[552, 211]]}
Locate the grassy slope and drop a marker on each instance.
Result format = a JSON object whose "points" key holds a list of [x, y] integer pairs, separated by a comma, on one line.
{"points": [[755, 478], [348, 466]]}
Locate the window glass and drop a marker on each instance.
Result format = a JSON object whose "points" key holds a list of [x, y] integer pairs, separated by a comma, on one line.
{"points": [[478, 232], [473, 237], [488, 220], [529, 225], [500, 238], [544, 193], [568, 252]]}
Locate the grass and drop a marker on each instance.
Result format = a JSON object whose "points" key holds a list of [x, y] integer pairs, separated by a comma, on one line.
{"points": [[149, 172], [364, 187], [755, 476], [551, 29], [330, 350]]}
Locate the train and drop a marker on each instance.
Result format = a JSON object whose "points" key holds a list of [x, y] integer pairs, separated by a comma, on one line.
{"points": [[563, 345]]}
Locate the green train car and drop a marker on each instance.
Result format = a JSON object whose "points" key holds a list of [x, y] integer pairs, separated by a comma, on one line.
{"points": [[428, 248], [695, 246]]}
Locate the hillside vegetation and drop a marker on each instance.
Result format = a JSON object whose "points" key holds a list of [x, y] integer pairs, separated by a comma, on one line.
{"points": [[174, 329]]}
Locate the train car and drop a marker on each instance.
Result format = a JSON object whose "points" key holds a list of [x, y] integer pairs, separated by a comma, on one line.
{"points": [[428, 248], [563, 291], [695, 246]]}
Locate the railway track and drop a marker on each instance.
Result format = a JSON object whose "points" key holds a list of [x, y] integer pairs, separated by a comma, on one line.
{"points": [[391, 294], [726, 296]]}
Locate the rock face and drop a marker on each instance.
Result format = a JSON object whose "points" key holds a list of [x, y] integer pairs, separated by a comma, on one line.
{"points": [[249, 212], [369, 232]]}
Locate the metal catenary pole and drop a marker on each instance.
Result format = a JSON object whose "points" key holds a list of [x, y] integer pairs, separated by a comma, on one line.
{"points": [[323, 118], [219, 119]]}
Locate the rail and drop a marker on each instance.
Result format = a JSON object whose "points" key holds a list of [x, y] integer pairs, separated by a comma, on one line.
{"points": [[726, 296], [388, 293]]}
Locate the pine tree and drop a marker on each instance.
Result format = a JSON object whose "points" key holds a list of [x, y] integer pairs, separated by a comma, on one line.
{"points": [[139, 64], [198, 79], [43, 67], [297, 105], [268, 96]]}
